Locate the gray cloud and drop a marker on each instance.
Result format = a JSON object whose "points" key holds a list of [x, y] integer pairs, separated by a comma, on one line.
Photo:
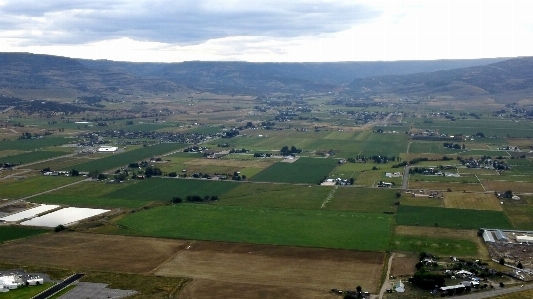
{"points": [[178, 21]]}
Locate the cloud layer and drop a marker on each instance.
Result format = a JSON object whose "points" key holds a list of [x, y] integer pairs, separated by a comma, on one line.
{"points": [[267, 30]]}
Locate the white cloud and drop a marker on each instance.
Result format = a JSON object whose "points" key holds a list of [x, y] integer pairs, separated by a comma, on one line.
{"points": [[268, 30]]}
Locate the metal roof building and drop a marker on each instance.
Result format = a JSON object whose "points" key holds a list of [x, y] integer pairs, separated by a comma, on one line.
{"points": [[499, 235], [487, 236]]}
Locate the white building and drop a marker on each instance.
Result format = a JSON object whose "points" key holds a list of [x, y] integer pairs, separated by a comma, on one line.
{"points": [[108, 149]]}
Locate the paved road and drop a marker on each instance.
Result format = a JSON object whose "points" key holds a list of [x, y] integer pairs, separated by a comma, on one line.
{"points": [[58, 287], [405, 182]]}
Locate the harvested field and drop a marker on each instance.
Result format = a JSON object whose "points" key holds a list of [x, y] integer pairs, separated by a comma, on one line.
{"points": [[473, 201], [517, 187], [231, 163], [92, 252], [228, 270]]}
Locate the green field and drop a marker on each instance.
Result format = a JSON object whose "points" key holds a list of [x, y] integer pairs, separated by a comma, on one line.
{"points": [[30, 157], [163, 189], [452, 218], [302, 171], [363, 200], [384, 145], [8, 233], [33, 185], [343, 230], [111, 161], [32, 144], [276, 196], [437, 246]]}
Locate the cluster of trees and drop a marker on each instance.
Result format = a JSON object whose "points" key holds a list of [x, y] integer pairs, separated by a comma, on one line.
{"points": [[261, 155], [285, 151], [194, 198], [230, 134], [375, 158]]}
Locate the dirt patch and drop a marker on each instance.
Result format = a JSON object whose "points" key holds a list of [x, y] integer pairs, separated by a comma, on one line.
{"points": [[92, 252], [239, 269], [16, 207], [403, 265]]}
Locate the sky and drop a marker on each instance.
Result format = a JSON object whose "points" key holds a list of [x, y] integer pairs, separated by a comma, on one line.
{"points": [[267, 30]]}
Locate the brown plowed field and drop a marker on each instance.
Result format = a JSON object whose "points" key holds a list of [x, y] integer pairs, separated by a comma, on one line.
{"points": [[92, 252], [259, 271], [219, 270]]}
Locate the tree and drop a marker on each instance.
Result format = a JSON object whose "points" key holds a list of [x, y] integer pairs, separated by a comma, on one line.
{"points": [[502, 261], [419, 265], [502, 284], [519, 265], [398, 194], [74, 172], [101, 176], [176, 200], [59, 228], [352, 180], [359, 289]]}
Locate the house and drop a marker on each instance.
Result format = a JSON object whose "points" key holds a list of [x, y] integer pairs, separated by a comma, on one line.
{"points": [[399, 287]]}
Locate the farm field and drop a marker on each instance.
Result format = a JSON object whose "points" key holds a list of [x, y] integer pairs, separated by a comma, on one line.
{"points": [[329, 229], [439, 241], [63, 163], [362, 200], [33, 144], [384, 145], [520, 212], [29, 157], [433, 147], [92, 252], [122, 159], [472, 201], [451, 218], [164, 189], [8, 233], [230, 270], [33, 185], [409, 200], [285, 196], [517, 187], [444, 186], [302, 171]]}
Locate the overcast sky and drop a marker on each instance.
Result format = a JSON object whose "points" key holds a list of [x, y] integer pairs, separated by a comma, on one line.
{"points": [[267, 30]]}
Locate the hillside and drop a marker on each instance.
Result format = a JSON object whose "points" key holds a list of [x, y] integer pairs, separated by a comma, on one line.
{"points": [[513, 77]]}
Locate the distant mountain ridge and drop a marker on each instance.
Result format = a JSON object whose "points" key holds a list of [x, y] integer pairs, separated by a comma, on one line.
{"points": [[24, 71], [512, 76]]}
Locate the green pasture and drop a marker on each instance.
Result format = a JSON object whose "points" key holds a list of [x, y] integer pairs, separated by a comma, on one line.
{"points": [[384, 144], [33, 185], [63, 163], [435, 245], [30, 157], [32, 144], [520, 212], [433, 147], [362, 200], [452, 218], [111, 161], [146, 127], [8, 233], [276, 196], [466, 179], [205, 130], [303, 171], [475, 152], [341, 148], [341, 135], [330, 229], [92, 194], [163, 189], [489, 127]]}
